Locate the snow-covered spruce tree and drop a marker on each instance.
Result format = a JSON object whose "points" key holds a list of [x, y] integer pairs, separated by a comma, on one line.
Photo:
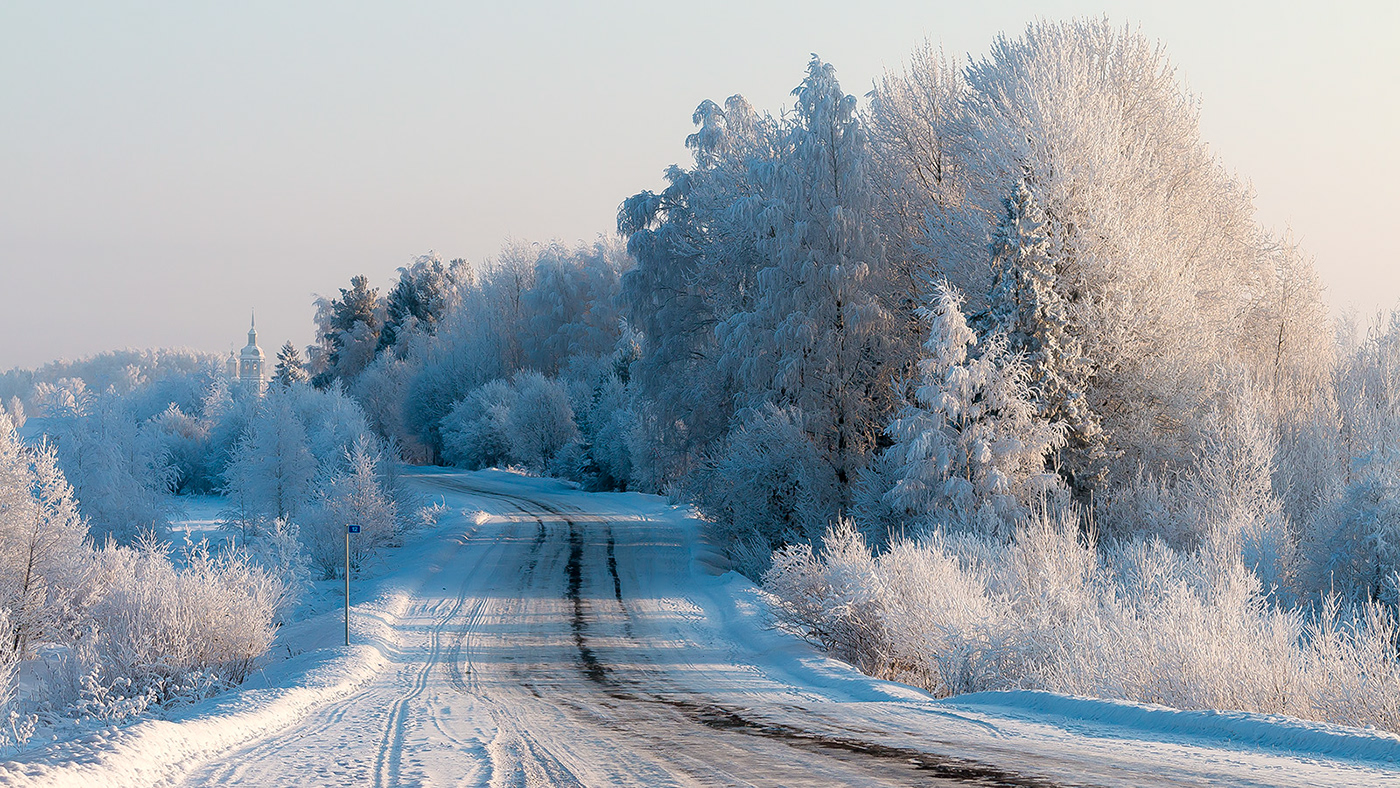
{"points": [[971, 444], [289, 368], [1027, 306], [816, 334]]}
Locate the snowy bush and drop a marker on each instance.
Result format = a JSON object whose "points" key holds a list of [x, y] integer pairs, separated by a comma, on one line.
{"points": [[767, 486], [526, 421], [1052, 610], [171, 632]]}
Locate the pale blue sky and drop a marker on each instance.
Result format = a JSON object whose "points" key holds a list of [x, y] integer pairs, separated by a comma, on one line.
{"points": [[164, 167]]}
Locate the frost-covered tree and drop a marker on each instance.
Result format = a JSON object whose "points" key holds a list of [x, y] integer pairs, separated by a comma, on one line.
{"points": [[354, 496], [816, 334], [382, 392], [15, 410], [475, 433], [289, 368], [426, 290], [971, 444], [347, 332], [1229, 495], [533, 307], [1351, 543], [607, 420], [42, 539], [1165, 275], [119, 471], [1027, 306], [922, 157], [540, 423], [1290, 346], [271, 471], [570, 309], [333, 421], [696, 263]]}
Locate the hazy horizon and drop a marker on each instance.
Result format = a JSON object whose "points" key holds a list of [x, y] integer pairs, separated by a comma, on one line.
{"points": [[167, 171]]}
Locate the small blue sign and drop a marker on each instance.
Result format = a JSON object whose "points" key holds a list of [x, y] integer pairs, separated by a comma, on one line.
{"points": [[352, 529]]}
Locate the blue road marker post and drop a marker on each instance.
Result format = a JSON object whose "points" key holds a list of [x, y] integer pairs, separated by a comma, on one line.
{"points": [[349, 529]]}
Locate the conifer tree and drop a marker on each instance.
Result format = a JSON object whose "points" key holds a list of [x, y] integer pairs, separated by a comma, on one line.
{"points": [[426, 289], [349, 329], [289, 367], [1027, 306], [970, 442]]}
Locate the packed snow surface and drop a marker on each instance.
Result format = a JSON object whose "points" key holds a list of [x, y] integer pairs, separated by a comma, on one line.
{"points": [[540, 636]]}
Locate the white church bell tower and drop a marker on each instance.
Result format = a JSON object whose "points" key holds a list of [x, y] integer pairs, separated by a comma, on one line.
{"points": [[251, 362]]}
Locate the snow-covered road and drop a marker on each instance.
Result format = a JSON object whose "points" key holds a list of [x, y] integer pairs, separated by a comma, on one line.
{"points": [[569, 639]]}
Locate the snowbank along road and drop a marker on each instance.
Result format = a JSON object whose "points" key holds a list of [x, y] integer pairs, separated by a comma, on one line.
{"points": [[545, 637]]}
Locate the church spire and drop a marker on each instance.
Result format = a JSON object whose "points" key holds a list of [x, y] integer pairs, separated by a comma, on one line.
{"points": [[251, 362]]}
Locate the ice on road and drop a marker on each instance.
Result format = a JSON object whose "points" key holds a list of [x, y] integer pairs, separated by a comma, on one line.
{"points": [[565, 639]]}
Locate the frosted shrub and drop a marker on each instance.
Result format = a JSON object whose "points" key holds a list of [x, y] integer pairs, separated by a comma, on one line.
{"points": [[357, 497], [1052, 610], [836, 599], [279, 551], [171, 632], [767, 486], [526, 421], [9, 662]]}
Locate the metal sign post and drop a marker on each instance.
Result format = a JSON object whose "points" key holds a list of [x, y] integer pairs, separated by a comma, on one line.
{"points": [[349, 529]]}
